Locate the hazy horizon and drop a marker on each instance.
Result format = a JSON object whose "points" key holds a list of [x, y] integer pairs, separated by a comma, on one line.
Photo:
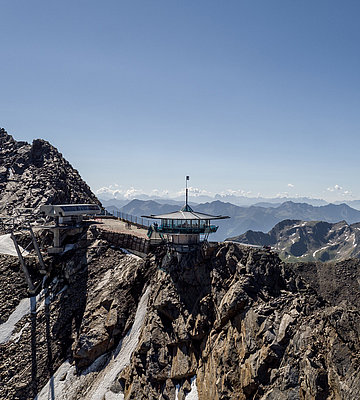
{"points": [[197, 198]]}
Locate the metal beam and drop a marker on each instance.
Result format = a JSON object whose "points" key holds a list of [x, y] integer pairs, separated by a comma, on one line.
{"points": [[23, 265], [37, 249]]}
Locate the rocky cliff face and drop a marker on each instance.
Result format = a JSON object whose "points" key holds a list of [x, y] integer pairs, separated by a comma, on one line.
{"points": [[297, 240], [227, 322], [88, 306], [32, 175], [248, 327]]}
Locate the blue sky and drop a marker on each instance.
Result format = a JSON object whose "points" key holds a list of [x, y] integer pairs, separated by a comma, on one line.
{"points": [[248, 96]]}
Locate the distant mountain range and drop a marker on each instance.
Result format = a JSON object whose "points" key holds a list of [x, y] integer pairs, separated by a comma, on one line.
{"points": [[352, 203], [121, 203], [113, 203], [297, 240], [244, 201], [255, 218]]}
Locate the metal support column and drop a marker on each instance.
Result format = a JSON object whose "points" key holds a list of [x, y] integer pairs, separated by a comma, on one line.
{"points": [[23, 265], [37, 250]]}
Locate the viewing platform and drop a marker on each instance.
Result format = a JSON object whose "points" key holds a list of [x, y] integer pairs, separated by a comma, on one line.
{"points": [[119, 226], [184, 228]]}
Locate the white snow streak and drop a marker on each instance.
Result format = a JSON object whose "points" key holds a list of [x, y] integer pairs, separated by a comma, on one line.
{"points": [[314, 253], [7, 246], [64, 376], [177, 388], [192, 395], [64, 384], [354, 239], [299, 226], [122, 355], [11, 173], [6, 329], [17, 336], [23, 308], [127, 252]]}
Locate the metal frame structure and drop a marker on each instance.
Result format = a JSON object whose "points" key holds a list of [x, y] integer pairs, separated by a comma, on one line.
{"points": [[69, 220]]}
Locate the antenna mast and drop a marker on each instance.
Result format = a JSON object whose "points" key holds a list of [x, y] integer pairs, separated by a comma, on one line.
{"points": [[187, 195]]}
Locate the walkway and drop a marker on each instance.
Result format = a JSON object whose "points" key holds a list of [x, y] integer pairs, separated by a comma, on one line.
{"points": [[118, 226]]}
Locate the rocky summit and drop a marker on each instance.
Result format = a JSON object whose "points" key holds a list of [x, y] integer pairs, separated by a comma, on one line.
{"points": [[36, 174]]}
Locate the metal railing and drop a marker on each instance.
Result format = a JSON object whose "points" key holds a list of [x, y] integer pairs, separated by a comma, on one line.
{"points": [[186, 229], [132, 219]]}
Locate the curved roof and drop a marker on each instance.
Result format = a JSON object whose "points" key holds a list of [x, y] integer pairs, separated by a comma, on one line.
{"points": [[186, 213]]}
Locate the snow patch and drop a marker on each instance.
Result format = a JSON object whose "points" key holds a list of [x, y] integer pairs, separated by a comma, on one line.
{"points": [[65, 384], [299, 226], [127, 252], [17, 336], [354, 239], [63, 376], [314, 253], [23, 308], [11, 173], [7, 328], [192, 395], [177, 389], [122, 355], [7, 246]]}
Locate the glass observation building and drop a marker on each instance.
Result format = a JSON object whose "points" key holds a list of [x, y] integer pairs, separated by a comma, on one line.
{"points": [[183, 227]]}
